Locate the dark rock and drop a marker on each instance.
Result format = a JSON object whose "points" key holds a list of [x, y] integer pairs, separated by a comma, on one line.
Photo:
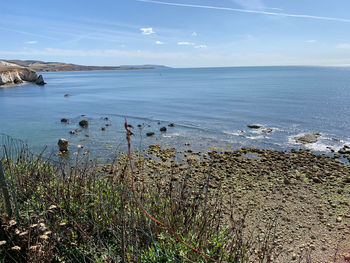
{"points": [[108, 124], [344, 150], [307, 138], [268, 130], [67, 95], [64, 120], [171, 125], [254, 126], [158, 122], [335, 156], [150, 134], [40, 80], [139, 125], [63, 145], [163, 129], [106, 118], [72, 132], [18, 81], [84, 123], [103, 128]]}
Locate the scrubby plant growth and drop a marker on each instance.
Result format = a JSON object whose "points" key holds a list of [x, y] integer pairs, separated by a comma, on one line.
{"points": [[88, 212]]}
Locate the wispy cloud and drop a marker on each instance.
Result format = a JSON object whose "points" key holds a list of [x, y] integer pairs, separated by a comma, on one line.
{"points": [[32, 42], [250, 4], [201, 46], [159, 43], [147, 31], [249, 11], [343, 46], [185, 43], [311, 41]]}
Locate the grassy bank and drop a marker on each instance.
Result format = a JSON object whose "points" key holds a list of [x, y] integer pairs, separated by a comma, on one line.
{"points": [[225, 205]]}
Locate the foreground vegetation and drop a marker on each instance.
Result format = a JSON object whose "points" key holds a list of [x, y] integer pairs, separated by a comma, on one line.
{"points": [[87, 213], [172, 207]]}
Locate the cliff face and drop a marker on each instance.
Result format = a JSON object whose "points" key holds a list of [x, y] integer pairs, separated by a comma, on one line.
{"points": [[14, 74]]}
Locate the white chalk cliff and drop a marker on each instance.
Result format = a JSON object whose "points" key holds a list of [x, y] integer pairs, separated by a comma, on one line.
{"points": [[14, 74]]}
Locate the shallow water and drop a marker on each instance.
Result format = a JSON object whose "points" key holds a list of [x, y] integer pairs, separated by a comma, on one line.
{"points": [[209, 106]]}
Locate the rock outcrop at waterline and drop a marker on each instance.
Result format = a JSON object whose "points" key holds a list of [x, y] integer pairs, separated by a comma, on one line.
{"points": [[12, 74]]}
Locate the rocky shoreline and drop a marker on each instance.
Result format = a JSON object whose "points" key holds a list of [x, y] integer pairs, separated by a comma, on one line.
{"points": [[307, 194]]}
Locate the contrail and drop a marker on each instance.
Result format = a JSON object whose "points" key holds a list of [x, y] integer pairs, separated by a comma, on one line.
{"points": [[248, 11]]}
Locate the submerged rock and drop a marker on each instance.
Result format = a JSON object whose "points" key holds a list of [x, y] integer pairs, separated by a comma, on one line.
{"points": [[163, 129], [171, 125], [63, 145], [84, 123], [150, 134], [64, 120], [307, 138]]}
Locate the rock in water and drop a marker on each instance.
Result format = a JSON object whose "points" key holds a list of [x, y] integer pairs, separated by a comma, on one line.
{"points": [[84, 123], [40, 80], [163, 129], [267, 130], [150, 134], [63, 145], [307, 138], [64, 120], [254, 126], [344, 150]]}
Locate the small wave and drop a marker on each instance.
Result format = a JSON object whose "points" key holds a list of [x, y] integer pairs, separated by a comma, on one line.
{"points": [[256, 137], [325, 143]]}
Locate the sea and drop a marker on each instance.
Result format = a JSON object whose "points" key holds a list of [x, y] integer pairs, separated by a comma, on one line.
{"points": [[209, 107]]}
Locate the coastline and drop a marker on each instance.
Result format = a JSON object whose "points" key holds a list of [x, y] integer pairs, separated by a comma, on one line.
{"points": [[305, 195]]}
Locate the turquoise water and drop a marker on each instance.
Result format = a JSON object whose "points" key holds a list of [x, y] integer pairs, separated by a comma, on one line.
{"points": [[209, 106]]}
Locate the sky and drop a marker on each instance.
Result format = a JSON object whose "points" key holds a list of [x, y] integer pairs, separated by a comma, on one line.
{"points": [[177, 33]]}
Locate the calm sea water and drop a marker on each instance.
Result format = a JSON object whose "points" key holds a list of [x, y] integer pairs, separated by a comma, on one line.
{"points": [[209, 106]]}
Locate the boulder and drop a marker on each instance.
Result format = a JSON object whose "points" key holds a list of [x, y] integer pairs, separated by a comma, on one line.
{"points": [[40, 80], [171, 125], [66, 95], [267, 130], [344, 150], [163, 129], [84, 123], [63, 145], [150, 134], [254, 126], [64, 120], [307, 138]]}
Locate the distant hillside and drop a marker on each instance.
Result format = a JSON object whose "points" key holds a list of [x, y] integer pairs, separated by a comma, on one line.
{"points": [[41, 66]]}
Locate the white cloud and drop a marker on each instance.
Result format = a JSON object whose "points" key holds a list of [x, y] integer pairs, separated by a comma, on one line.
{"points": [[147, 31], [185, 43], [194, 34], [343, 46], [201, 46], [311, 41], [159, 43], [32, 42], [250, 11]]}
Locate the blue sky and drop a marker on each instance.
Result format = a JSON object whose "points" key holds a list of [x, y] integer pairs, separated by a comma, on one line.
{"points": [[178, 33]]}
